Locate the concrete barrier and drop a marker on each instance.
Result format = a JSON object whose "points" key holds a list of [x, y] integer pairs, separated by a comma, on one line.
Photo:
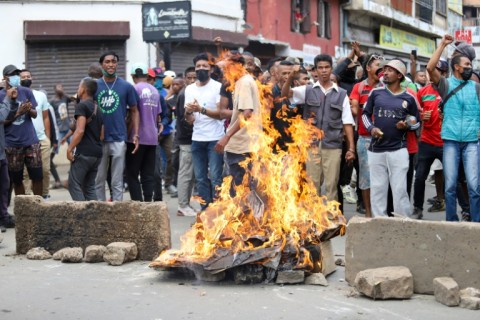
{"points": [[55, 225], [430, 249]]}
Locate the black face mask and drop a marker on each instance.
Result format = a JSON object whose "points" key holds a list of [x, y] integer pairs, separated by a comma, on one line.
{"points": [[26, 83], [202, 75], [467, 73]]}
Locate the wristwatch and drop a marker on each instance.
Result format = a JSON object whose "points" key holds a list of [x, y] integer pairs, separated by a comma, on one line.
{"points": [[204, 111]]}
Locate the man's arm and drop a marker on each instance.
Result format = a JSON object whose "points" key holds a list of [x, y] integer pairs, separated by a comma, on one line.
{"points": [[413, 66], [232, 129], [367, 117], [46, 123], [77, 136], [286, 90], [135, 116], [432, 63], [4, 109]]}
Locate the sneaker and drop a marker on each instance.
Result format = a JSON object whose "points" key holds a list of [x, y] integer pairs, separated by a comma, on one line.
{"points": [[349, 194], [361, 208], [466, 216], [437, 206], [186, 212], [417, 214], [432, 200], [8, 222], [172, 191]]}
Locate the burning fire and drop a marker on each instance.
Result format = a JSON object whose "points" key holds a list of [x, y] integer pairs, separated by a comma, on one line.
{"points": [[280, 224]]}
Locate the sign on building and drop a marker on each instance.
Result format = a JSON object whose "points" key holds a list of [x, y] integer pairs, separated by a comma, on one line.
{"points": [[310, 52], [464, 35], [167, 21], [406, 41]]}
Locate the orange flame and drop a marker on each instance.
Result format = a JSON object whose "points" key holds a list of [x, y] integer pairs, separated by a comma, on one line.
{"points": [[284, 212]]}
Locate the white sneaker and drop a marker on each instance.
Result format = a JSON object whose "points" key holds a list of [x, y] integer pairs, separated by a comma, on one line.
{"points": [[186, 212], [349, 194]]}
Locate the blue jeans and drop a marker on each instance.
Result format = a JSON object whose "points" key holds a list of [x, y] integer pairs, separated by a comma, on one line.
{"points": [[204, 158], [453, 153]]}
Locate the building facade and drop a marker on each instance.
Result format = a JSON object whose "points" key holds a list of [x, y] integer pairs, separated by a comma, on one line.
{"points": [[298, 28], [394, 28], [58, 40]]}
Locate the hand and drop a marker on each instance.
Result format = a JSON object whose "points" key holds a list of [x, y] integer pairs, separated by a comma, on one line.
{"points": [[135, 142], [24, 108], [220, 146], [12, 93], [427, 115], [62, 142], [70, 155], [350, 157], [217, 41], [376, 133], [160, 128], [193, 107], [402, 125], [412, 58], [447, 39], [356, 48]]}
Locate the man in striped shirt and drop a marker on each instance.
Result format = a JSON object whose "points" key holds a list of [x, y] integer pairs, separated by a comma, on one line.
{"points": [[385, 117]]}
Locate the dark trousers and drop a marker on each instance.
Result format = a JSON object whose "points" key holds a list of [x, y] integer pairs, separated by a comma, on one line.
{"points": [[237, 171], [81, 178], [4, 188], [141, 163], [53, 168], [427, 153]]}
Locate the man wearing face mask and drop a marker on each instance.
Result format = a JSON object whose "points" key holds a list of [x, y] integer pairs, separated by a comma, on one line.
{"points": [[22, 145], [202, 100], [42, 128], [460, 128]]}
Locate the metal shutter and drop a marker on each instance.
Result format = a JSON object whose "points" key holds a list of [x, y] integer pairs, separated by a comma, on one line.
{"points": [[182, 55], [67, 62]]}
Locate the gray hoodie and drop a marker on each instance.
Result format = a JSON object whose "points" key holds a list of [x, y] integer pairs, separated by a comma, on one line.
{"points": [[4, 111]]}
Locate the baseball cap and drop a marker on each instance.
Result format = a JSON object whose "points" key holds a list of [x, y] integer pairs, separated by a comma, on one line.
{"points": [[442, 65], [170, 73], [397, 65], [465, 49], [139, 69], [156, 73], [258, 63], [293, 60], [10, 69]]}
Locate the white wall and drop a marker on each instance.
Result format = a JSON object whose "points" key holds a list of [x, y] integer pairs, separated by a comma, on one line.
{"points": [[214, 14]]}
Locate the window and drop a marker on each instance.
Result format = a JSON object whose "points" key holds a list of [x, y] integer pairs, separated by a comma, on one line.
{"points": [[300, 18], [404, 6], [424, 10], [441, 7], [324, 29]]}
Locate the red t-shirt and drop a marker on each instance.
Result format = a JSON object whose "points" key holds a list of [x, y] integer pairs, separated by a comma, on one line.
{"points": [[362, 98], [429, 99]]}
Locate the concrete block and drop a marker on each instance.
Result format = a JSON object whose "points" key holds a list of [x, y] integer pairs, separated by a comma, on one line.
{"points": [[58, 224], [290, 277], [114, 256], [73, 255], [429, 249], [328, 258], [472, 303], [385, 283], [446, 291]]}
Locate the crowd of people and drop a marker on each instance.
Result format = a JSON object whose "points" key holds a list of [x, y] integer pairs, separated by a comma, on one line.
{"points": [[184, 133]]}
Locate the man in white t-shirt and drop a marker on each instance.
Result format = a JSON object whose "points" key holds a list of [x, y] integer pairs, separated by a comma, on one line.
{"points": [[201, 109], [42, 128]]}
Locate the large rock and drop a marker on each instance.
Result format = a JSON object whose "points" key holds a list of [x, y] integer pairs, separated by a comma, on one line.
{"points": [[317, 279], [129, 248], [114, 256], [429, 249], [328, 258], [38, 254], [446, 291], [470, 298], [94, 253], [73, 255], [58, 224], [385, 283], [290, 277]]}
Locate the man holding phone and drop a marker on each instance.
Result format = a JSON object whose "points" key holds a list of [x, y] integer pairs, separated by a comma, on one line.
{"points": [[21, 142]]}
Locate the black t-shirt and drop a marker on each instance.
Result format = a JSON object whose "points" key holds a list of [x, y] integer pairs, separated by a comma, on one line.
{"points": [[90, 145]]}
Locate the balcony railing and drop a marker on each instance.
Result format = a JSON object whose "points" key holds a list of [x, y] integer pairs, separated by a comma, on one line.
{"points": [[471, 22]]}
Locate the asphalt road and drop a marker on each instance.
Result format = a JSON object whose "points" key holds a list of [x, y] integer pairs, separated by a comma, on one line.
{"points": [[53, 290]]}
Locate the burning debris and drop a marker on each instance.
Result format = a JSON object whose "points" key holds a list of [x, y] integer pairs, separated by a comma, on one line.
{"points": [[274, 223]]}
